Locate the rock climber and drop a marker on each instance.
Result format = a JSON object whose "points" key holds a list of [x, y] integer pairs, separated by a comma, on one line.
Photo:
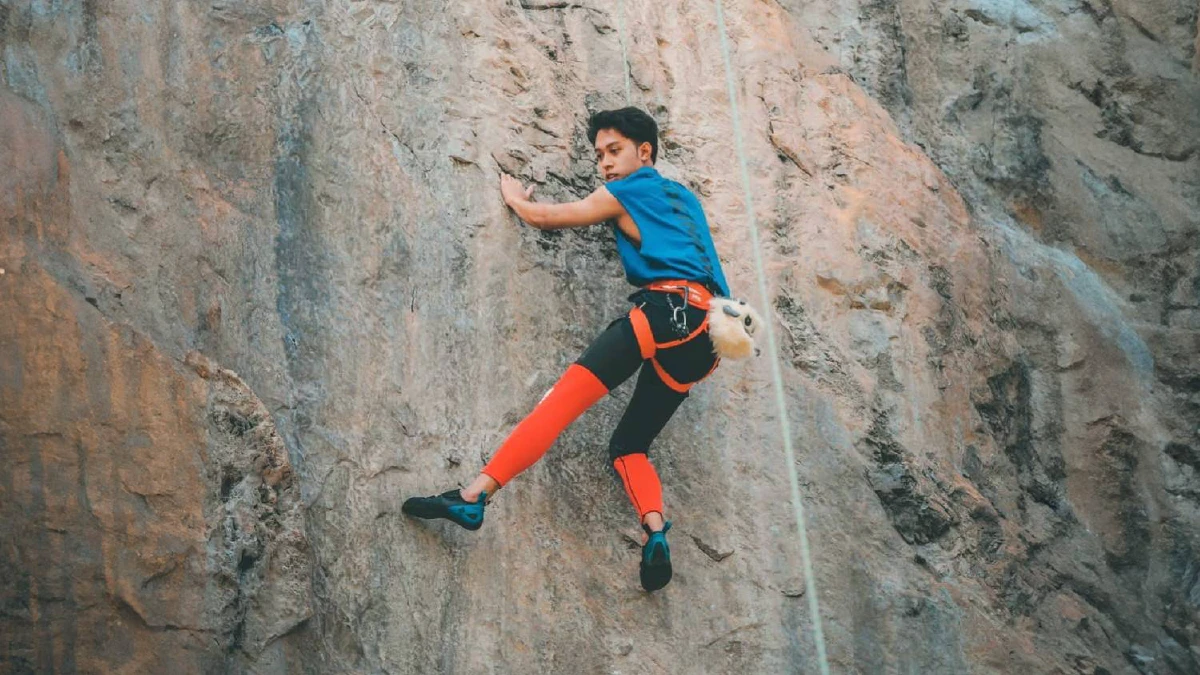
{"points": [[667, 251]]}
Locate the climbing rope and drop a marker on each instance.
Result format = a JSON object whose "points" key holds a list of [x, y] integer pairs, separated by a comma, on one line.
{"points": [[810, 582]]}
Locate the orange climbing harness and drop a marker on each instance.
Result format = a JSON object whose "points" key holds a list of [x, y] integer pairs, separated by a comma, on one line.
{"points": [[695, 295]]}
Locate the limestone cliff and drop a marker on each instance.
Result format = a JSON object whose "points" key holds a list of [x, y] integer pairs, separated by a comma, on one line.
{"points": [[259, 287]]}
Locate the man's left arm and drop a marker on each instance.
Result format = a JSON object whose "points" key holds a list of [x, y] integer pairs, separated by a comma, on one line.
{"points": [[596, 208]]}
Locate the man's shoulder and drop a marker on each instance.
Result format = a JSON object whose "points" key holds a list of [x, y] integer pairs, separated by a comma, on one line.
{"points": [[650, 179], [683, 189]]}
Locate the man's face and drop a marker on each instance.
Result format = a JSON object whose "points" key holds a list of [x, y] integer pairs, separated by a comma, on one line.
{"points": [[617, 156]]}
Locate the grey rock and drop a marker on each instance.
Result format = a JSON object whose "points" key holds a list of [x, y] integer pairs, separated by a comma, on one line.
{"points": [[260, 287]]}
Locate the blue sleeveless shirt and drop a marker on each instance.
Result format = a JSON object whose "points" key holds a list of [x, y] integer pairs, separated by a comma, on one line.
{"points": [[676, 242]]}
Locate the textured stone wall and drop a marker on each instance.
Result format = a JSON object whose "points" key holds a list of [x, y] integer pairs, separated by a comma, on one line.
{"points": [[259, 287]]}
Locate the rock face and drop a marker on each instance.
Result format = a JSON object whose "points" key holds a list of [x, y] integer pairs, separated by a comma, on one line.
{"points": [[980, 222], [151, 513]]}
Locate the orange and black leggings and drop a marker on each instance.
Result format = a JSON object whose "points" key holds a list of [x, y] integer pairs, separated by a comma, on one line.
{"points": [[611, 359]]}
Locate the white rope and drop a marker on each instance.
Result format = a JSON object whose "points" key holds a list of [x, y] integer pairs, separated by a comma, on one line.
{"points": [[624, 54], [810, 582]]}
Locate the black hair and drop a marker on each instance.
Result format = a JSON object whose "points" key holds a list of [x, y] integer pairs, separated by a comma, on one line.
{"points": [[633, 123]]}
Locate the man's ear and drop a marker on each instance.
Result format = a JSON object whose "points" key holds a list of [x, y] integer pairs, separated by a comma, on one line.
{"points": [[645, 151]]}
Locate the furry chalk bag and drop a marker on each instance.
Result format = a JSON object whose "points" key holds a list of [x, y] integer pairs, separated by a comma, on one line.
{"points": [[732, 325]]}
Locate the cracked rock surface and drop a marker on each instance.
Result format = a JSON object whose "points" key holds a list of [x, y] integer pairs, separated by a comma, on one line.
{"points": [[259, 287]]}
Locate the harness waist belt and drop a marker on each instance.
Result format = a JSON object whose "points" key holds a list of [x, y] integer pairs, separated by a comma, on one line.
{"points": [[695, 293]]}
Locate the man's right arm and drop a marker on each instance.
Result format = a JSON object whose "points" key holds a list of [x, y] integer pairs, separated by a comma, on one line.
{"points": [[596, 208]]}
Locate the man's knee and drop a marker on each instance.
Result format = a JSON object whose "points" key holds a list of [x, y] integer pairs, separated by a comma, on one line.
{"points": [[617, 450]]}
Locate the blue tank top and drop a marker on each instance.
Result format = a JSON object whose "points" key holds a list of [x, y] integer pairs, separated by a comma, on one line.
{"points": [[676, 242]]}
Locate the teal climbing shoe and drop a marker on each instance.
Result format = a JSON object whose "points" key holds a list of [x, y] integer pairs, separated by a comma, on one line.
{"points": [[449, 505], [656, 559]]}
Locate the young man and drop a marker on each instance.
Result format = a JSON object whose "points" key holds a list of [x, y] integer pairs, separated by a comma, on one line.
{"points": [[667, 250]]}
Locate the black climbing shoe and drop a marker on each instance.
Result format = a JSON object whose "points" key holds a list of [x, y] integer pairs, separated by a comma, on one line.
{"points": [[449, 505], [656, 559]]}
